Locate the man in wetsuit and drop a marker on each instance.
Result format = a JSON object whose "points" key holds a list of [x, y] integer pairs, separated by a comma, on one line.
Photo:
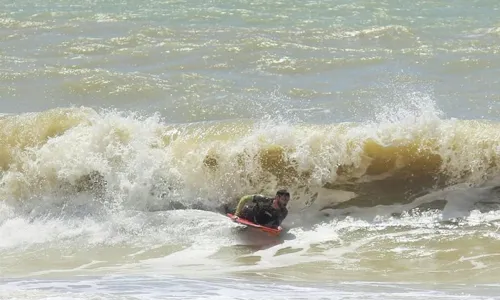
{"points": [[262, 210]]}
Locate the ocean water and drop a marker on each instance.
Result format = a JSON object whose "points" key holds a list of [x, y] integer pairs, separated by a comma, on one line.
{"points": [[125, 126]]}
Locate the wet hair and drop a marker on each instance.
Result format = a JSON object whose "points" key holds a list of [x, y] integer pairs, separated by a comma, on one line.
{"points": [[282, 192]]}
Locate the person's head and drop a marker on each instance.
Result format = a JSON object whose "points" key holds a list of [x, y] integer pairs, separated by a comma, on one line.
{"points": [[282, 197]]}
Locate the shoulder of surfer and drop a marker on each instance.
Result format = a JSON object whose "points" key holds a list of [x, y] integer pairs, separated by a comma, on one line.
{"points": [[261, 198]]}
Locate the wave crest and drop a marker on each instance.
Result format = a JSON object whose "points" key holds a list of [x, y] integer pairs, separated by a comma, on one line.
{"points": [[147, 164]]}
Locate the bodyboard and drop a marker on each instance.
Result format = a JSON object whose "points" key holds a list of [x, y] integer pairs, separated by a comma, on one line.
{"points": [[269, 230]]}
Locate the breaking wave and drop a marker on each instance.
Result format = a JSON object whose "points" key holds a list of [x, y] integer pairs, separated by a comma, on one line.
{"points": [[145, 163]]}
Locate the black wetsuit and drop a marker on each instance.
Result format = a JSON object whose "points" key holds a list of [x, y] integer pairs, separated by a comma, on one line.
{"points": [[260, 210]]}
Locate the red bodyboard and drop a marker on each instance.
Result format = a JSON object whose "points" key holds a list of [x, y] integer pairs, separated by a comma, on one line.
{"points": [[269, 230]]}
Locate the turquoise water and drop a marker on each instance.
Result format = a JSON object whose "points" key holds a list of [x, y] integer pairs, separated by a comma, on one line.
{"points": [[126, 125]]}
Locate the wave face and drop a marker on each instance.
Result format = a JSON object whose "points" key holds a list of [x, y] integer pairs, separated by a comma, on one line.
{"points": [[123, 160]]}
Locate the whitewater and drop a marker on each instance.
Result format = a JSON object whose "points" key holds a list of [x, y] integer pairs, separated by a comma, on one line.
{"points": [[126, 127]]}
